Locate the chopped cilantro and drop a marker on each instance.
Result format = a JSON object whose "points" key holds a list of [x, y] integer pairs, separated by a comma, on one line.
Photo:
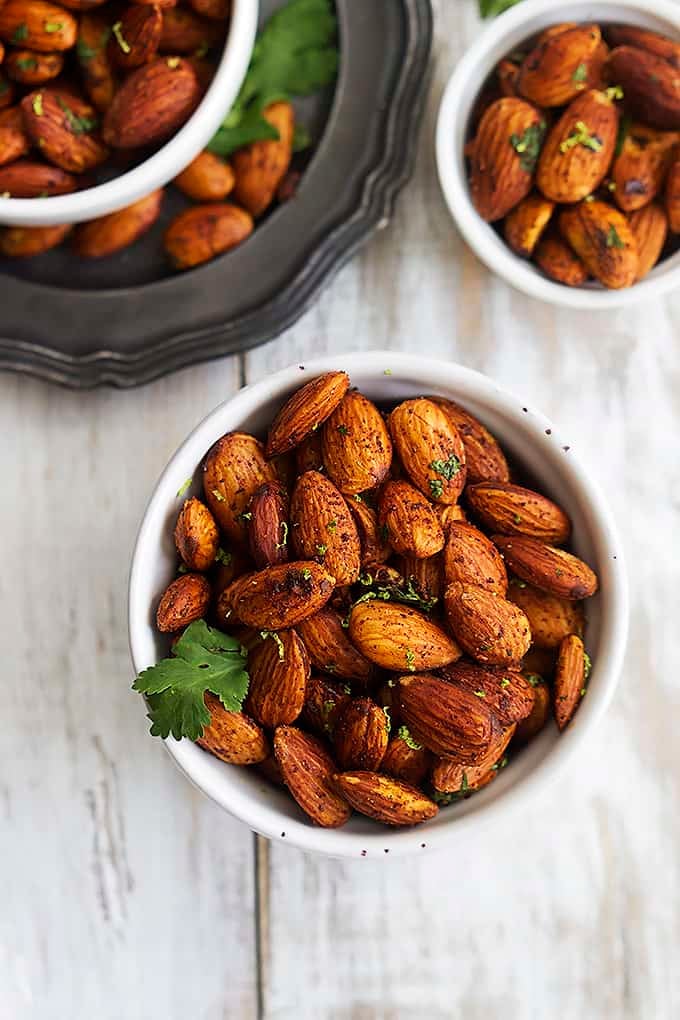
{"points": [[117, 30], [581, 136], [284, 539], [505, 682], [528, 145], [517, 519], [218, 495], [388, 718], [580, 74], [343, 430], [26, 63], [78, 125], [490, 8], [534, 679], [321, 550], [387, 371], [436, 487], [614, 92], [223, 557], [332, 526], [306, 574], [612, 239], [479, 694], [410, 657], [588, 665], [264, 634], [20, 33], [448, 469], [38, 104], [53, 26], [405, 734]]}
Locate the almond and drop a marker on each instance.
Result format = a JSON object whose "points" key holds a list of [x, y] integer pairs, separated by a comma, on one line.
{"points": [[571, 674], [206, 179], [184, 600], [578, 149], [448, 515], [308, 772], [31, 68], [234, 469], [650, 229], [472, 558], [374, 547], [110, 234], [356, 446], [151, 104], [525, 223], [642, 39], [279, 669], [331, 650], [556, 70], [487, 626], [559, 262], [406, 759], [360, 735], [63, 130], [602, 238], [24, 242], [503, 156], [553, 570], [430, 448], [232, 736], [135, 37], [387, 800], [306, 411], [551, 618], [95, 67], [322, 527], [425, 575], [324, 701], [484, 458], [639, 170], [651, 85], [308, 455], [38, 25], [457, 777], [672, 197], [388, 696], [277, 597], [196, 536], [199, 234], [268, 528], [261, 166], [508, 76], [408, 521], [530, 727], [508, 694], [397, 637], [27, 179], [13, 139], [513, 510], [447, 719], [185, 32]]}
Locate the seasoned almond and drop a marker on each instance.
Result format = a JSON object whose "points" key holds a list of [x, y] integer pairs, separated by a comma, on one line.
{"points": [[233, 470], [639, 169], [117, 230], [25, 178], [38, 25], [472, 558], [551, 618], [135, 36], [650, 84], [525, 223], [13, 138], [643, 39], [398, 637], [557, 260], [151, 104], [579, 148], [24, 242], [503, 156], [356, 446], [405, 758], [672, 197], [425, 575], [555, 71], [308, 771], [201, 233], [487, 626], [484, 458], [196, 536], [602, 238], [408, 521], [324, 701], [508, 75], [360, 735], [650, 229], [206, 179], [260, 167], [375, 549], [279, 669], [571, 675], [31, 68], [553, 570], [508, 694], [184, 600], [330, 649], [430, 448], [268, 527], [316, 504], [530, 727], [185, 32], [98, 78], [447, 719], [450, 776], [277, 597], [306, 411], [63, 130], [308, 455], [232, 736], [387, 800], [513, 510]]}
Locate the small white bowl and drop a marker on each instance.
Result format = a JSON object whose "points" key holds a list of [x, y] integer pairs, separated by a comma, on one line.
{"points": [[526, 435], [169, 160], [504, 35]]}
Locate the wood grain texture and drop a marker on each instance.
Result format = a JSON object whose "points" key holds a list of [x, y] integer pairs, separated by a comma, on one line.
{"points": [[127, 896]]}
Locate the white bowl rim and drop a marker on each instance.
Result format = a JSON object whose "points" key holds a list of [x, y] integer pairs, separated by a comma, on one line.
{"points": [[461, 381], [502, 261], [170, 159]]}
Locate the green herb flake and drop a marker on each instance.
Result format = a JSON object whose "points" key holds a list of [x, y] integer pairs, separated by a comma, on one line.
{"points": [[405, 734], [622, 133], [448, 469], [518, 584], [505, 682], [534, 679], [85, 52], [223, 557], [517, 519], [343, 430], [321, 550], [53, 26], [580, 75], [78, 125], [612, 239], [464, 786], [581, 136], [528, 145], [306, 574], [173, 62], [20, 33], [332, 526], [436, 487], [582, 691], [218, 495], [264, 634], [26, 63], [479, 694], [37, 104], [614, 92], [410, 657], [387, 371], [500, 764], [388, 718], [588, 665], [245, 516], [117, 30], [284, 535]]}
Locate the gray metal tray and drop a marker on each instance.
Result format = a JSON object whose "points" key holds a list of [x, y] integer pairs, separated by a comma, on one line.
{"points": [[126, 319]]}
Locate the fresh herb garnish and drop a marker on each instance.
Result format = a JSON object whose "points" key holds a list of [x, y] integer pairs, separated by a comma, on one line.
{"points": [[612, 239], [410, 657], [223, 557], [20, 33], [343, 430], [505, 682], [301, 138], [479, 694], [448, 468], [37, 104], [534, 679], [528, 145], [284, 535], [264, 634], [580, 74], [332, 526], [436, 487], [26, 63], [321, 550], [588, 665], [117, 30], [388, 718], [204, 659], [78, 125], [490, 8], [614, 92], [581, 136], [405, 734], [53, 26], [218, 495]]}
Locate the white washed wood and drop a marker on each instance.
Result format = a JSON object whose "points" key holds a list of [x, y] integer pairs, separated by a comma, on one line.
{"points": [[126, 896]]}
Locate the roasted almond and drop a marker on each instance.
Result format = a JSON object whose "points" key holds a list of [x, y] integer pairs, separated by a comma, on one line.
{"points": [[430, 448], [277, 597], [642, 39], [234, 469], [447, 719], [555, 71], [578, 149], [530, 727], [279, 669], [639, 169], [24, 242], [324, 701], [196, 536], [306, 411], [450, 776], [553, 570], [513, 510], [308, 455], [356, 446], [375, 549], [184, 600], [13, 138], [508, 694], [330, 649], [408, 521], [268, 525], [557, 260], [322, 527], [486, 625], [205, 231], [37, 25], [650, 229], [472, 558], [206, 179], [94, 31], [308, 771], [260, 167], [135, 36], [426, 576], [569, 685], [405, 758], [232, 736], [398, 637], [650, 84], [185, 32], [602, 238], [63, 130], [551, 618], [523, 226], [360, 736], [484, 458], [31, 68], [385, 799], [448, 515], [25, 178], [672, 197], [151, 104], [117, 230], [503, 156], [507, 73]]}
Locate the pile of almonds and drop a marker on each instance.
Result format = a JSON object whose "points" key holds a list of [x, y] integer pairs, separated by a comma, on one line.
{"points": [[99, 86], [396, 649], [576, 152]]}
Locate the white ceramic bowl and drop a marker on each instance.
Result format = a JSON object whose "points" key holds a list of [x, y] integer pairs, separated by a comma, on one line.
{"points": [[169, 160], [526, 434], [504, 35]]}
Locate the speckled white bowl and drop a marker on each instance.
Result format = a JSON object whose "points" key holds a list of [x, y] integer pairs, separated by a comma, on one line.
{"points": [[169, 160], [502, 36], [527, 435]]}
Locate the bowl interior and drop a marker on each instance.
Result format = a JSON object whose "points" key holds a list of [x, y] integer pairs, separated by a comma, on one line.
{"points": [[509, 33], [526, 436]]}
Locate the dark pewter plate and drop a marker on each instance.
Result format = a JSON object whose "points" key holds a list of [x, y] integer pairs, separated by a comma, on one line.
{"points": [[125, 321]]}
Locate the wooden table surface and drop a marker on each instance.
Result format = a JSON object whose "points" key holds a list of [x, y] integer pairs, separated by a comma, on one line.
{"points": [[126, 895]]}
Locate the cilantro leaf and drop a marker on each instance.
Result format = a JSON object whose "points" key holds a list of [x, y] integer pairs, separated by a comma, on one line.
{"points": [[205, 660], [490, 8]]}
